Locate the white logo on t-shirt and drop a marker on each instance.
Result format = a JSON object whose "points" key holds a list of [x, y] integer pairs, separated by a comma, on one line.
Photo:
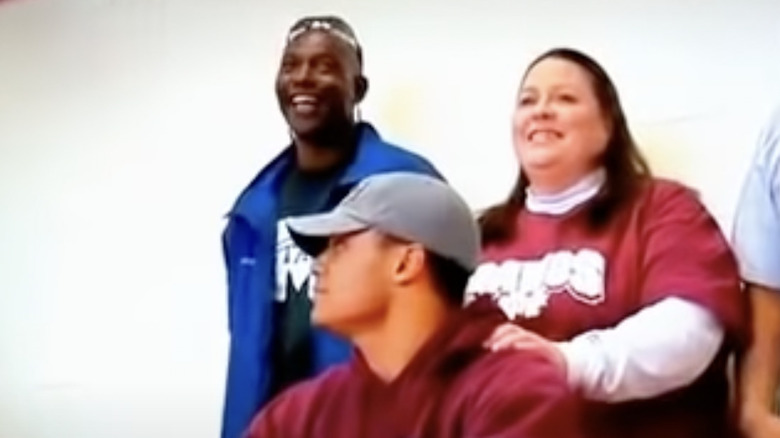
{"points": [[523, 288], [293, 266]]}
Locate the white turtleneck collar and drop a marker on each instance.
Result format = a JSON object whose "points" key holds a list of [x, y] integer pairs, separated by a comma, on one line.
{"points": [[567, 199]]}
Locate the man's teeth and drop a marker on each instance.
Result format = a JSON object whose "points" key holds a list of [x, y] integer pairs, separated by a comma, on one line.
{"points": [[298, 100]]}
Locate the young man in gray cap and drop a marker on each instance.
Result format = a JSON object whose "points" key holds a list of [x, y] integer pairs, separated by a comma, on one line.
{"points": [[393, 260]]}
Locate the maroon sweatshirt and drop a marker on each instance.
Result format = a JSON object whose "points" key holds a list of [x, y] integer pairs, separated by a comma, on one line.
{"points": [[452, 388], [560, 278]]}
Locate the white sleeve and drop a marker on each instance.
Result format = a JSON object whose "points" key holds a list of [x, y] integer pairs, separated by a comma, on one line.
{"points": [[660, 348]]}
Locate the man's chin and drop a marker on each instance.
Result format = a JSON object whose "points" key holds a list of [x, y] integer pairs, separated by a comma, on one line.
{"points": [[317, 131], [329, 321], [308, 128], [318, 317]]}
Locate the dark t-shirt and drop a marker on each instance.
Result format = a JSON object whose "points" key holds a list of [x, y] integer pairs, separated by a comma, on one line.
{"points": [[301, 193]]}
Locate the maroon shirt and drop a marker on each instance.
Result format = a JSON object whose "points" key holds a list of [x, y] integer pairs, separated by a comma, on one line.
{"points": [[560, 279], [452, 388]]}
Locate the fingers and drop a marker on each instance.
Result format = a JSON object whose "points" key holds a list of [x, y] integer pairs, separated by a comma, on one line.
{"points": [[503, 330], [517, 342], [510, 336]]}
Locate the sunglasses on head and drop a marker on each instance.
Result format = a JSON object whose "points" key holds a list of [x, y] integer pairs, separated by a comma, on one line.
{"points": [[334, 26]]}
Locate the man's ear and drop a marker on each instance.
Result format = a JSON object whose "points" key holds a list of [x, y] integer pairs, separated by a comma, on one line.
{"points": [[410, 264], [361, 88]]}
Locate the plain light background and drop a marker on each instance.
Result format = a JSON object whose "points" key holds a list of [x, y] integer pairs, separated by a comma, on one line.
{"points": [[127, 127]]}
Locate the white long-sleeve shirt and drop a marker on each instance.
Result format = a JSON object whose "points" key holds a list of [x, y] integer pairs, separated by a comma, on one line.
{"points": [[662, 347]]}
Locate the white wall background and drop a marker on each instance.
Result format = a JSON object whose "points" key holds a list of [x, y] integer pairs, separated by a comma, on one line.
{"points": [[128, 126]]}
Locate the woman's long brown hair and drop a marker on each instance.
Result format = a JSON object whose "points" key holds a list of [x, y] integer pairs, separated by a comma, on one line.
{"points": [[625, 166]]}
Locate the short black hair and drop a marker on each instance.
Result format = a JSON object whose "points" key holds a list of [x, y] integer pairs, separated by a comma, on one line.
{"points": [[449, 278]]}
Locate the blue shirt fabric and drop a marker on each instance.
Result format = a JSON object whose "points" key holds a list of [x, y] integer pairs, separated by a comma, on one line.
{"points": [[249, 247], [756, 233]]}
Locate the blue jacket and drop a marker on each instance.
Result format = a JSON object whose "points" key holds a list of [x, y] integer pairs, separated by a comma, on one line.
{"points": [[249, 243]]}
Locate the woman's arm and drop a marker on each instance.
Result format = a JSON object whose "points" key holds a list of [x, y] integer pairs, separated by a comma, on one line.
{"points": [[662, 347], [690, 304]]}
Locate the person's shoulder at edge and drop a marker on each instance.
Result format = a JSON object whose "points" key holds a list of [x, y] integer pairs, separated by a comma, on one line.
{"points": [[519, 394], [290, 414], [767, 149], [771, 128], [756, 227]]}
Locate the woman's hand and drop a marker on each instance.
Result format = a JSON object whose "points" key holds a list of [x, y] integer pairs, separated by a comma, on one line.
{"points": [[509, 335]]}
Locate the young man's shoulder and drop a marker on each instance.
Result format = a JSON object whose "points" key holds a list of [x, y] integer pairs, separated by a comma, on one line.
{"points": [[292, 411], [516, 393], [501, 371]]}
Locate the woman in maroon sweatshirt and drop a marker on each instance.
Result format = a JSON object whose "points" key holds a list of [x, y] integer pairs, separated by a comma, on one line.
{"points": [[393, 261], [624, 278]]}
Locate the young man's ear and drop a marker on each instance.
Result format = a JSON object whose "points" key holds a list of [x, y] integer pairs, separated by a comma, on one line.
{"points": [[410, 264], [361, 88]]}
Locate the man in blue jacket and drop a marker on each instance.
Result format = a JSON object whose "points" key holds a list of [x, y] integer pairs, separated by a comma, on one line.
{"points": [[272, 344]]}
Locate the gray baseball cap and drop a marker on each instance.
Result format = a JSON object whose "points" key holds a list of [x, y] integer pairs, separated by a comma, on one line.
{"points": [[408, 206]]}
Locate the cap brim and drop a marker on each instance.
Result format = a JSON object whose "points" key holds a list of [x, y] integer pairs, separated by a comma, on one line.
{"points": [[311, 233]]}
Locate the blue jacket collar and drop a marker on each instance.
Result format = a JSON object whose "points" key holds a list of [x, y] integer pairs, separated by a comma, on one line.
{"points": [[371, 154]]}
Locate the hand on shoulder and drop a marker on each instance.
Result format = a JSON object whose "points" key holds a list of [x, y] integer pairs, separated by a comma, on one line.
{"points": [[512, 336]]}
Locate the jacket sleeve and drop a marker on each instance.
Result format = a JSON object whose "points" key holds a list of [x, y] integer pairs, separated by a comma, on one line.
{"points": [[225, 246], [225, 238], [428, 168], [412, 162], [523, 395]]}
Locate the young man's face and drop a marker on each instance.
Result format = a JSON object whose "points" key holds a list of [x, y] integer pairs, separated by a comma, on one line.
{"points": [[317, 83], [353, 278]]}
